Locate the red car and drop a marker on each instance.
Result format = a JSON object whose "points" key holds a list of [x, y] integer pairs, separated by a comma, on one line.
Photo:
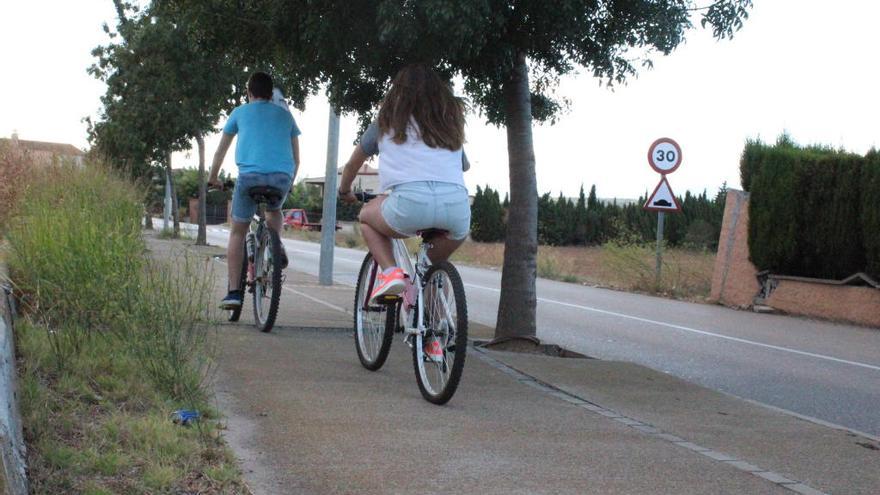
{"points": [[298, 219]]}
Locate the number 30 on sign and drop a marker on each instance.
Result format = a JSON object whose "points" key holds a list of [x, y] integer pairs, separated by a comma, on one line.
{"points": [[664, 156]]}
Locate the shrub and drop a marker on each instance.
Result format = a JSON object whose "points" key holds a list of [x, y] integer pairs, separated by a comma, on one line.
{"points": [[870, 214], [810, 212]]}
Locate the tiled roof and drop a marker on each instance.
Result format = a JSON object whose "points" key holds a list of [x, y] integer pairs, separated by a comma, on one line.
{"points": [[54, 148]]}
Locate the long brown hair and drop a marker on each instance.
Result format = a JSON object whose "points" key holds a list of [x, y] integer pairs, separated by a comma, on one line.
{"points": [[419, 93]]}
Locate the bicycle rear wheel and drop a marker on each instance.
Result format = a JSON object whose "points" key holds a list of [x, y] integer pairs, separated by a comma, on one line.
{"points": [[374, 325], [446, 322], [267, 279], [235, 314]]}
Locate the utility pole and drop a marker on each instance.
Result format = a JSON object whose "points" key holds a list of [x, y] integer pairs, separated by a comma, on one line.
{"points": [[328, 218]]}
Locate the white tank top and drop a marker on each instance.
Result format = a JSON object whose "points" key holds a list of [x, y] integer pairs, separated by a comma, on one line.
{"points": [[413, 160]]}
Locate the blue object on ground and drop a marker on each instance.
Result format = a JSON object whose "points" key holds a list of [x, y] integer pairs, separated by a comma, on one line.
{"points": [[184, 416]]}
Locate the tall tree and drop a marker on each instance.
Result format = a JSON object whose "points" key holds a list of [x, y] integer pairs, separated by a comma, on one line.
{"points": [[163, 91], [509, 53]]}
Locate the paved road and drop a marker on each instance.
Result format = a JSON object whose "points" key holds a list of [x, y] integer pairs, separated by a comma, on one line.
{"points": [[820, 370]]}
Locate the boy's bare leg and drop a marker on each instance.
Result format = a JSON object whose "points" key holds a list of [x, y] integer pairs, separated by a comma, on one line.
{"points": [[274, 220], [235, 253]]}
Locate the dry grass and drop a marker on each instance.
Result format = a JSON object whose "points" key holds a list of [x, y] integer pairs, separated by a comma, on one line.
{"points": [[14, 174], [687, 273]]}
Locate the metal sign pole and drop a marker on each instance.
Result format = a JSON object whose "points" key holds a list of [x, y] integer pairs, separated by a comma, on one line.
{"points": [[328, 218], [660, 221]]}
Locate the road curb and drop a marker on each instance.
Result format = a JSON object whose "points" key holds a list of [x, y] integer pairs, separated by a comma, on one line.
{"points": [[12, 448]]}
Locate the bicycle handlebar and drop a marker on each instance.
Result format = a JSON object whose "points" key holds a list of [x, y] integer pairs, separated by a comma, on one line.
{"points": [[365, 197], [228, 184]]}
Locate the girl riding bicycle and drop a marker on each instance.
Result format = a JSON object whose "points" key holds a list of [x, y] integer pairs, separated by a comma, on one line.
{"points": [[418, 136]]}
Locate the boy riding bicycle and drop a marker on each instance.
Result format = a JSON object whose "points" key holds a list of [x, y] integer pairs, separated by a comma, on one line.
{"points": [[267, 154], [418, 136]]}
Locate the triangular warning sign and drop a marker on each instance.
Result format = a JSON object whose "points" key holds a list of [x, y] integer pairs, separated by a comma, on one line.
{"points": [[662, 199]]}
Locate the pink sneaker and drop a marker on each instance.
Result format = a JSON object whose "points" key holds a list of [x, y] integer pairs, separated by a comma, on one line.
{"points": [[434, 351], [391, 284]]}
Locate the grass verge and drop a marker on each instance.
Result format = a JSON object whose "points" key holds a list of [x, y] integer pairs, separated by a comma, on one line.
{"points": [[110, 344]]}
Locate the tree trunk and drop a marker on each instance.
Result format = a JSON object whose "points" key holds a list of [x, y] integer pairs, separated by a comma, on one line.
{"points": [[517, 308], [175, 207], [202, 237]]}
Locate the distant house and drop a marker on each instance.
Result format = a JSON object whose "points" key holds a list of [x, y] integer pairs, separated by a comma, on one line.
{"points": [[367, 180], [45, 153]]}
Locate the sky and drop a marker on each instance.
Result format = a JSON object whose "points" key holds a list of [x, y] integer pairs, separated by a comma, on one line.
{"points": [[797, 66]]}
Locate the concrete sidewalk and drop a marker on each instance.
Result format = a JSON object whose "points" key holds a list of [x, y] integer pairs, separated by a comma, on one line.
{"points": [[305, 417]]}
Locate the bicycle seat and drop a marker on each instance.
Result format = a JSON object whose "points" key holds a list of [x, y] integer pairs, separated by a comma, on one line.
{"points": [[265, 194], [429, 234]]}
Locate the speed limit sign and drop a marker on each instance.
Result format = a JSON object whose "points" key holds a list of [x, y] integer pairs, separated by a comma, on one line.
{"points": [[664, 156]]}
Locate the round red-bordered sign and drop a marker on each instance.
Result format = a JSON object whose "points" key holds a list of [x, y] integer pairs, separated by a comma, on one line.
{"points": [[664, 156]]}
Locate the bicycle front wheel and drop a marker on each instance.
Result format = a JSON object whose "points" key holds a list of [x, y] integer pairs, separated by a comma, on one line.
{"points": [[374, 324], [446, 323], [267, 279]]}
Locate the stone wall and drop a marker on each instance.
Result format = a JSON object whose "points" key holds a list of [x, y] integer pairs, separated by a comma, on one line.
{"points": [[734, 279], [859, 305]]}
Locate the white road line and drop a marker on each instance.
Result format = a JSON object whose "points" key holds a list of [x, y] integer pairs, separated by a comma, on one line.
{"points": [[303, 294], [694, 330], [315, 299], [654, 322]]}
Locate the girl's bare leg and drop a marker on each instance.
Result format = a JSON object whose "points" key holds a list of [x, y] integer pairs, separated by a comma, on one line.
{"points": [[377, 233], [442, 248]]}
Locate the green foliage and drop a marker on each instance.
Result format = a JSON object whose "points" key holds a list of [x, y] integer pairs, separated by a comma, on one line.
{"points": [[588, 221], [108, 345], [77, 232], [478, 40], [94, 425], [870, 211], [487, 216], [76, 259], [163, 89], [809, 209]]}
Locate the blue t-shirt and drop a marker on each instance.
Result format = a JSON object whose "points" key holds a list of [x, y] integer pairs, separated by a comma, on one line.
{"points": [[264, 134]]}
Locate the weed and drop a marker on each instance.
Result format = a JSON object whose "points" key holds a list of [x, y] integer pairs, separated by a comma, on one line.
{"points": [[99, 319], [548, 268], [14, 178]]}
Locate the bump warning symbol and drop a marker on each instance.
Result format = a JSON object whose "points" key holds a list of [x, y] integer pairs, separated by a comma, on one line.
{"points": [[662, 199]]}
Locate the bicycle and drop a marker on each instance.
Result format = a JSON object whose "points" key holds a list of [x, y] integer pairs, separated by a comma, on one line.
{"points": [[433, 307], [261, 270]]}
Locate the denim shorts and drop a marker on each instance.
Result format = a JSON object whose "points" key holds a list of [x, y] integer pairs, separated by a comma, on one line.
{"points": [[415, 206], [243, 207]]}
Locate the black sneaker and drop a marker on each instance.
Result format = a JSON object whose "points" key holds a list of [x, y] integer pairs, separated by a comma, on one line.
{"points": [[232, 300], [283, 259]]}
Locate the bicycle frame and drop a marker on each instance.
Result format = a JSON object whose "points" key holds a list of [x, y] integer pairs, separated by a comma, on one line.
{"points": [[415, 270]]}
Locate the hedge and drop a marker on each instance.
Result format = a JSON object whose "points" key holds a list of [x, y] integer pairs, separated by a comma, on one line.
{"points": [[814, 210]]}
